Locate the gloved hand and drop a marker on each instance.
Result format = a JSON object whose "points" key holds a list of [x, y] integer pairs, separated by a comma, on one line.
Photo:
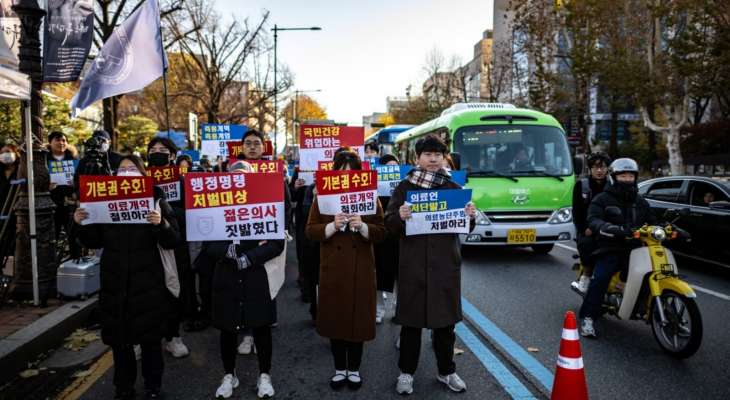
{"points": [[615, 231], [242, 262]]}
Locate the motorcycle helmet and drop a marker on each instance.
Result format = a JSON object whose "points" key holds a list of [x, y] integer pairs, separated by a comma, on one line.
{"points": [[622, 165]]}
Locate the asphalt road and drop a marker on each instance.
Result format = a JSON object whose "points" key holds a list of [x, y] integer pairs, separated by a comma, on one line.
{"points": [[519, 300]]}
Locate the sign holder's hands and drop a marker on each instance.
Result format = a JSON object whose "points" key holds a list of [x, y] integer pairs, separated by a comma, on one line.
{"points": [[355, 223], [340, 221], [154, 217], [241, 262], [80, 215], [471, 210], [405, 211]]}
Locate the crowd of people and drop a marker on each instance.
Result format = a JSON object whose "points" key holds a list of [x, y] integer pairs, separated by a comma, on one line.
{"points": [[347, 266]]}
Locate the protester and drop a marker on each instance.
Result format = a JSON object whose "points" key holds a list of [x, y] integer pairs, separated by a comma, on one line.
{"points": [[241, 298], [429, 276], [161, 152], [185, 162], [111, 158], [60, 150], [386, 256], [346, 310], [133, 299], [371, 151]]}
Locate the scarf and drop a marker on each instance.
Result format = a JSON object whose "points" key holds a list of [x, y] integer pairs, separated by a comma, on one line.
{"points": [[428, 180]]}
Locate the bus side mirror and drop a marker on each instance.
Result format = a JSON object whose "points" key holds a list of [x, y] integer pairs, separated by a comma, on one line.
{"points": [[456, 158], [578, 165]]}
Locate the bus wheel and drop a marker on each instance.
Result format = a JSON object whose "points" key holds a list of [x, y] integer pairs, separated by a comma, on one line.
{"points": [[542, 248]]}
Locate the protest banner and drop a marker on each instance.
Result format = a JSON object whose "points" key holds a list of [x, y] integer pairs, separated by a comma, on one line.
{"points": [[458, 177], [168, 179], [318, 143], [267, 166], [62, 171], [68, 32], [437, 211], [329, 165], [215, 138], [349, 192], [234, 206], [116, 199], [389, 176]]}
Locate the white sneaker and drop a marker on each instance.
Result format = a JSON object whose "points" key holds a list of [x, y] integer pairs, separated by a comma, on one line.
{"points": [[225, 390], [266, 390], [405, 384], [177, 348], [587, 329], [137, 352], [380, 307], [581, 285], [246, 345], [453, 382]]}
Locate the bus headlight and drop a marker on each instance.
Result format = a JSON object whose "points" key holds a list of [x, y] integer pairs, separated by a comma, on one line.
{"points": [[562, 216], [482, 219]]}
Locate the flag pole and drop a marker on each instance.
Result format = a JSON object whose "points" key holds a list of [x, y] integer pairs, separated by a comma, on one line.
{"points": [[164, 79]]}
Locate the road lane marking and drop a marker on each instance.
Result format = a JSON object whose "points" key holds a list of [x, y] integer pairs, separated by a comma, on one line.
{"points": [[695, 287], [78, 387], [489, 329], [501, 373]]}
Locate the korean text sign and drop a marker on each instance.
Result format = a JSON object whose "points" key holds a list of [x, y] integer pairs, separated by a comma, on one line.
{"points": [[168, 179], [267, 166], [62, 171], [349, 192], [319, 142], [389, 176], [437, 211], [116, 199], [234, 206], [215, 138]]}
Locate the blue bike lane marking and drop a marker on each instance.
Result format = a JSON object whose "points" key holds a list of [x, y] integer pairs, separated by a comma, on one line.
{"points": [[520, 355], [509, 382]]}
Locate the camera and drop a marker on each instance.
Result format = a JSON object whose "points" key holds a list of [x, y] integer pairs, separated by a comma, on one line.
{"points": [[95, 161]]}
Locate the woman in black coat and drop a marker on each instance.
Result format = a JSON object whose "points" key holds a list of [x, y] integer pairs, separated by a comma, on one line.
{"points": [[133, 297], [386, 256]]}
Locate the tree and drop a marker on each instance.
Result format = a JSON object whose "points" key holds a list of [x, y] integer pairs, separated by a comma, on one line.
{"points": [[444, 84], [10, 129], [135, 132], [56, 113], [305, 107]]}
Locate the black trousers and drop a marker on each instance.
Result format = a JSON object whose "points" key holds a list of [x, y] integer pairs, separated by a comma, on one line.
{"points": [[175, 316], [262, 340], [125, 365], [347, 355], [443, 346]]}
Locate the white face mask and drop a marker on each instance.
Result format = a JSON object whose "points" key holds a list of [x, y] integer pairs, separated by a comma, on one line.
{"points": [[129, 173], [105, 147], [7, 158]]}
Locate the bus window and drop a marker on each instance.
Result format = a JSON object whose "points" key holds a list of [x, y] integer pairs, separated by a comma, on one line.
{"points": [[517, 150]]}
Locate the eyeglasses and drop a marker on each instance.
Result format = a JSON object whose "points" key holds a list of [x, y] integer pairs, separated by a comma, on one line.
{"points": [[604, 168], [255, 143]]}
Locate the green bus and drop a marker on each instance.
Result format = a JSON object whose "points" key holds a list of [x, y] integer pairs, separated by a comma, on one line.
{"points": [[518, 166]]}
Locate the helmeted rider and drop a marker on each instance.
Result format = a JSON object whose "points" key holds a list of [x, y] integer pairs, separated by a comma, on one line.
{"points": [[584, 191], [613, 215]]}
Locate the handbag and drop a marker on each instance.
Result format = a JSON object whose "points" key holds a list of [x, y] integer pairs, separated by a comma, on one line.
{"points": [[276, 270], [169, 265]]}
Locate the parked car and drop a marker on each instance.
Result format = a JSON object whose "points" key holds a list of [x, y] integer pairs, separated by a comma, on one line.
{"points": [[708, 201]]}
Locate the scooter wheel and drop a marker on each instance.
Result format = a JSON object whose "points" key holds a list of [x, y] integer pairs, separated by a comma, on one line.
{"points": [[681, 336]]}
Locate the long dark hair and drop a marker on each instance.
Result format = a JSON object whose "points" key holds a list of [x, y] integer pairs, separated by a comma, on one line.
{"points": [[136, 161], [347, 158]]}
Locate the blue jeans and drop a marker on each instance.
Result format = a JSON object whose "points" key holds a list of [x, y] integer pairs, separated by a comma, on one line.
{"points": [[606, 266]]}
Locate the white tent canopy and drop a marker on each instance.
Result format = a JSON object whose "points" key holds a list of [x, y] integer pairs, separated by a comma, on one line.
{"points": [[14, 85]]}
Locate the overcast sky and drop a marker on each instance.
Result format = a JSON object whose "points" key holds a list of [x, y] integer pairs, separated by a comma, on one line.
{"points": [[367, 49]]}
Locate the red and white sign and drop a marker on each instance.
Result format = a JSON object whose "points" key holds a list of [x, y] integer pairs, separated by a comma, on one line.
{"points": [[167, 179], [319, 142], [234, 206], [329, 165], [349, 192], [267, 166], [116, 199]]}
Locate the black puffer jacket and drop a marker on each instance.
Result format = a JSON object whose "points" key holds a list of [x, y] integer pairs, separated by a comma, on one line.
{"points": [[133, 297], [613, 232]]}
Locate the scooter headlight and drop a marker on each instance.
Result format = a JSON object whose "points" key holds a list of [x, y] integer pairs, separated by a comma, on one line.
{"points": [[659, 234]]}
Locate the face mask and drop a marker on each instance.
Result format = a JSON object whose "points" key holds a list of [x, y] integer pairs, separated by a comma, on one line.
{"points": [[158, 159], [128, 173], [7, 158], [627, 190], [105, 147]]}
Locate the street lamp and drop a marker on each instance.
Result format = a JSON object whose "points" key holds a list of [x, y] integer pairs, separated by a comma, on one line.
{"points": [[276, 30], [295, 111]]}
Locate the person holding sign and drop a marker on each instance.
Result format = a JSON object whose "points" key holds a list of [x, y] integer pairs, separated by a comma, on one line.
{"points": [[133, 299], [386, 254], [346, 309], [161, 153], [62, 160], [429, 275]]}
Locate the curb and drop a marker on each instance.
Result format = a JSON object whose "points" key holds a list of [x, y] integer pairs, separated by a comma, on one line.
{"points": [[42, 335]]}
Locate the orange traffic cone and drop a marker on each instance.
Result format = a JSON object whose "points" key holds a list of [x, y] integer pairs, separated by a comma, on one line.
{"points": [[570, 379]]}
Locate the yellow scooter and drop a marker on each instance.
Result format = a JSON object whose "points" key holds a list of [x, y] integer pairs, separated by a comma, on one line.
{"points": [[655, 293]]}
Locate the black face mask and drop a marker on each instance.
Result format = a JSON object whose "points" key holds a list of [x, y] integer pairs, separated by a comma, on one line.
{"points": [[628, 191], [158, 159]]}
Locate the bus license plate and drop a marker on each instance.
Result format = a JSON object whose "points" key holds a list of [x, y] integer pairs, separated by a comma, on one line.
{"points": [[521, 236]]}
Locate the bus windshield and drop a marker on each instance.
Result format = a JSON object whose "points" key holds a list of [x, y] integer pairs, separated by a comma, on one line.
{"points": [[513, 150]]}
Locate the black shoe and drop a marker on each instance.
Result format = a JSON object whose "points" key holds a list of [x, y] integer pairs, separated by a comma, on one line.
{"points": [[124, 393], [337, 385], [153, 393], [354, 384]]}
